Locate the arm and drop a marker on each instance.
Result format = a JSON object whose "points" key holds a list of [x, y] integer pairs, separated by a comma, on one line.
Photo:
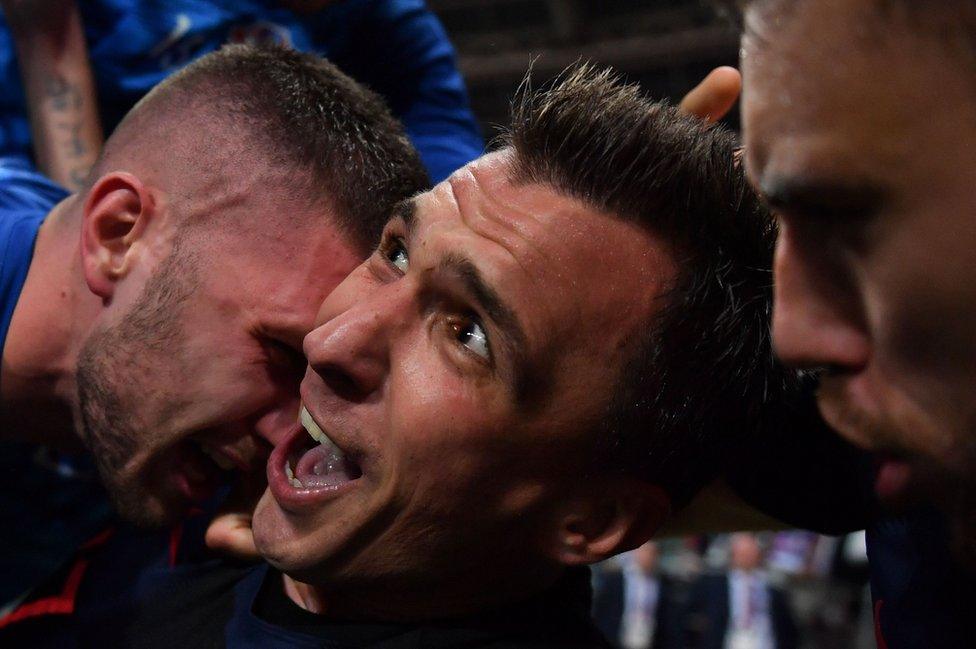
{"points": [[400, 49], [59, 87]]}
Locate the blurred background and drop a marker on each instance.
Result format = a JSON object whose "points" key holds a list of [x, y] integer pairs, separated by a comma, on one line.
{"points": [[737, 591], [667, 46]]}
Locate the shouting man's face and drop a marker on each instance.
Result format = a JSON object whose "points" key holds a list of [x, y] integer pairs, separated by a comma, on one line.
{"points": [[181, 382], [455, 382]]}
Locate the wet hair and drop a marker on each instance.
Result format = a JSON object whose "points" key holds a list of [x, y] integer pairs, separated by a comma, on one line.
{"points": [[294, 111], [704, 378]]}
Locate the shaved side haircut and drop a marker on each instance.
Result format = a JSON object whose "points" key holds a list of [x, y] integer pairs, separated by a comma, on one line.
{"points": [[290, 111]]}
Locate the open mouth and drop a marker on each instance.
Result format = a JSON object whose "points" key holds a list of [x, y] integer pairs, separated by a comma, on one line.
{"points": [[200, 471], [308, 467]]}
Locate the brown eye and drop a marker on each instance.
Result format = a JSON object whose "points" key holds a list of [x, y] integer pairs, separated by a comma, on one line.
{"points": [[396, 254], [472, 335]]}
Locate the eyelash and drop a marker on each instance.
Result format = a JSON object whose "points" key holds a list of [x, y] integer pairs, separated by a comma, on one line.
{"points": [[389, 243], [455, 323]]}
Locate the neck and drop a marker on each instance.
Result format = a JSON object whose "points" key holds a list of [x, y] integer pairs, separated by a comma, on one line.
{"points": [[429, 603], [38, 395]]}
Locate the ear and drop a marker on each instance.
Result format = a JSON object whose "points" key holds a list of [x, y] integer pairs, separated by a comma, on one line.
{"points": [[622, 516], [117, 210]]}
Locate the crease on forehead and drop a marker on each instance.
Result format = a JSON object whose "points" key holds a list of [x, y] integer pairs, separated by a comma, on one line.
{"points": [[521, 216], [504, 223]]}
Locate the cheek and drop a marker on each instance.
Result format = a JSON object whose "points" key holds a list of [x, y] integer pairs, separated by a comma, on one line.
{"points": [[446, 432], [924, 342]]}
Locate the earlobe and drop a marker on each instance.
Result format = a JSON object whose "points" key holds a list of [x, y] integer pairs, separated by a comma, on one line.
{"points": [[625, 515], [117, 210]]}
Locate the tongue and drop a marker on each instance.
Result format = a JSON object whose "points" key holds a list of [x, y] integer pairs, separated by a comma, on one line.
{"points": [[321, 466]]}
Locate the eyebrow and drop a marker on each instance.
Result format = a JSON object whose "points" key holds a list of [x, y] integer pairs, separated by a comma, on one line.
{"points": [[824, 199], [491, 303], [406, 211]]}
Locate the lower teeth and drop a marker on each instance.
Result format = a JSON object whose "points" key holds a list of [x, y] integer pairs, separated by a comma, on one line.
{"points": [[295, 482]]}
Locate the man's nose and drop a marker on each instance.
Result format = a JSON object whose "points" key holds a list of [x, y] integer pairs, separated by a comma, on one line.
{"points": [[817, 314], [351, 352]]}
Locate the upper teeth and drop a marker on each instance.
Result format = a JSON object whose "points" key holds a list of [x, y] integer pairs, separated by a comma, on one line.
{"points": [[316, 432]]}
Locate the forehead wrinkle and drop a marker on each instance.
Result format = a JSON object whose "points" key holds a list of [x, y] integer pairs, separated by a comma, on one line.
{"points": [[491, 225], [548, 269], [531, 376]]}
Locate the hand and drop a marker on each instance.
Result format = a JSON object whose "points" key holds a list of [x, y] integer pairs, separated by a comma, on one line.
{"points": [[712, 99]]}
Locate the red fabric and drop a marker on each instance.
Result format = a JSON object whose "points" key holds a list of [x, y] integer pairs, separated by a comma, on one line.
{"points": [[98, 540], [878, 636], [61, 604], [175, 536], [64, 602]]}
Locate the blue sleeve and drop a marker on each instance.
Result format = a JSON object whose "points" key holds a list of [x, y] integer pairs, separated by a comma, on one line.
{"points": [[26, 197], [400, 49], [22, 189]]}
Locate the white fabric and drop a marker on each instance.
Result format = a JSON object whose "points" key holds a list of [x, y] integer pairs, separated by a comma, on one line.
{"points": [[750, 623], [641, 593]]}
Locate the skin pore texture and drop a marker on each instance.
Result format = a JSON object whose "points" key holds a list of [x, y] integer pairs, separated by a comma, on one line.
{"points": [[166, 322], [459, 371], [870, 167]]}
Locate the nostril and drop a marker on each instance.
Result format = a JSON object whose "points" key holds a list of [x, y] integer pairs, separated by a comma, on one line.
{"points": [[341, 382]]}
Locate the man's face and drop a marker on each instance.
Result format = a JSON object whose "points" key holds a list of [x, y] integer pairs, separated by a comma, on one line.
{"points": [[176, 386], [861, 131], [744, 551], [457, 373]]}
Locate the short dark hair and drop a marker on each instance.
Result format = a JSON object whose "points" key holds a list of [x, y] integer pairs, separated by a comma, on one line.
{"points": [[705, 378], [301, 112]]}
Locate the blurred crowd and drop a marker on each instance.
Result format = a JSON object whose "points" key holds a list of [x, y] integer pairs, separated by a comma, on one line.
{"points": [[774, 590]]}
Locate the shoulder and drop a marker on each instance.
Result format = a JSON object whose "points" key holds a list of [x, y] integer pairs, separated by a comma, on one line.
{"points": [[24, 190]]}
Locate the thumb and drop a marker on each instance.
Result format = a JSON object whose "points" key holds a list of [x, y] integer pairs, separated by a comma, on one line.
{"points": [[230, 534]]}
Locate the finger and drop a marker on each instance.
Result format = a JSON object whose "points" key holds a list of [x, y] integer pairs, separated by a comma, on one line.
{"points": [[712, 99], [230, 533]]}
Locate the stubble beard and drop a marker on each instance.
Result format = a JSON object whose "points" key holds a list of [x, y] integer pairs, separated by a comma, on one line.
{"points": [[119, 370], [949, 482]]}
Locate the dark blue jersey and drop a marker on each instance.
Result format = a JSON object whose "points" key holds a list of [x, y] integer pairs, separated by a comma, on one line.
{"points": [[148, 590], [807, 476]]}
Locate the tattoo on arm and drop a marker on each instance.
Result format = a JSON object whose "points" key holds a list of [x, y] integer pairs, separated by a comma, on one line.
{"points": [[63, 95], [66, 101]]}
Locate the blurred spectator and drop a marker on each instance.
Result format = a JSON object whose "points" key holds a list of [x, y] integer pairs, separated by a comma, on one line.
{"points": [[608, 596], [740, 609], [650, 617], [397, 47], [638, 604]]}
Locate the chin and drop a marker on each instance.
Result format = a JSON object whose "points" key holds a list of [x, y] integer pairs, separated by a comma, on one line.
{"points": [[144, 510], [270, 536]]}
